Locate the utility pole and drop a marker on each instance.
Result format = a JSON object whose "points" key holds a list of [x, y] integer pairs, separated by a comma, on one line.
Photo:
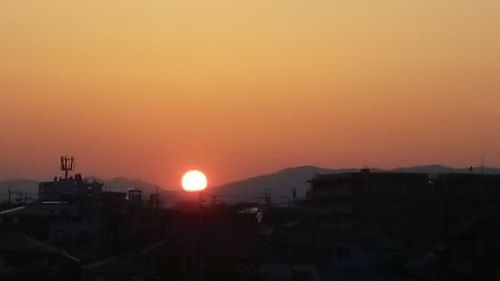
{"points": [[267, 198]]}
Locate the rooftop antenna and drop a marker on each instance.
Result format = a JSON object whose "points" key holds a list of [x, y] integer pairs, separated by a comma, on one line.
{"points": [[67, 165]]}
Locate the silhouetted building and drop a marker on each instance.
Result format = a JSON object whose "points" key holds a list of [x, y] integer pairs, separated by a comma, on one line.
{"points": [[365, 196], [73, 189], [466, 197], [410, 205], [24, 258]]}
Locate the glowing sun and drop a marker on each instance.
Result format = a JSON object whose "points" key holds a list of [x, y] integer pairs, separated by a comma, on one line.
{"points": [[194, 180]]}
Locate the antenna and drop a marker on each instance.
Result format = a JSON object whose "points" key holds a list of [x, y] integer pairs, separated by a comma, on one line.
{"points": [[67, 165]]}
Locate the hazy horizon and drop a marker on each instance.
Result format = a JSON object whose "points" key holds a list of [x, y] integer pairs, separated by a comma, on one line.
{"points": [[150, 89], [265, 173]]}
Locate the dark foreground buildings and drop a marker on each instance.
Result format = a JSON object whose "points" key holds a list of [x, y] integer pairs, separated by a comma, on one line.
{"points": [[442, 225], [351, 226], [437, 202]]}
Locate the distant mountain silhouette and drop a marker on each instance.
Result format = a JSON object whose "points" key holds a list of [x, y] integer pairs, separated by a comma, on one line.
{"points": [[436, 169], [281, 183], [116, 184], [18, 186], [121, 184], [426, 169]]}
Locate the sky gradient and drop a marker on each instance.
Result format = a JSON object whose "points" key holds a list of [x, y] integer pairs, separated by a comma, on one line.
{"points": [[149, 89]]}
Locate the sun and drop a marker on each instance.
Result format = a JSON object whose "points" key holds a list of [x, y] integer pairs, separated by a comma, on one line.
{"points": [[194, 180]]}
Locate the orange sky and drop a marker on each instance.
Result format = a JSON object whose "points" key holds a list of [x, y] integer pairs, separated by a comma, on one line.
{"points": [[148, 89]]}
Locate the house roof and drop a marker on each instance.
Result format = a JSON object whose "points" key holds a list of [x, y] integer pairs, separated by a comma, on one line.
{"points": [[11, 242], [215, 239]]}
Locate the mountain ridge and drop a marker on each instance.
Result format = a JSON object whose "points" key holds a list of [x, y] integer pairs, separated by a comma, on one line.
{"points": [[280, 183]]}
